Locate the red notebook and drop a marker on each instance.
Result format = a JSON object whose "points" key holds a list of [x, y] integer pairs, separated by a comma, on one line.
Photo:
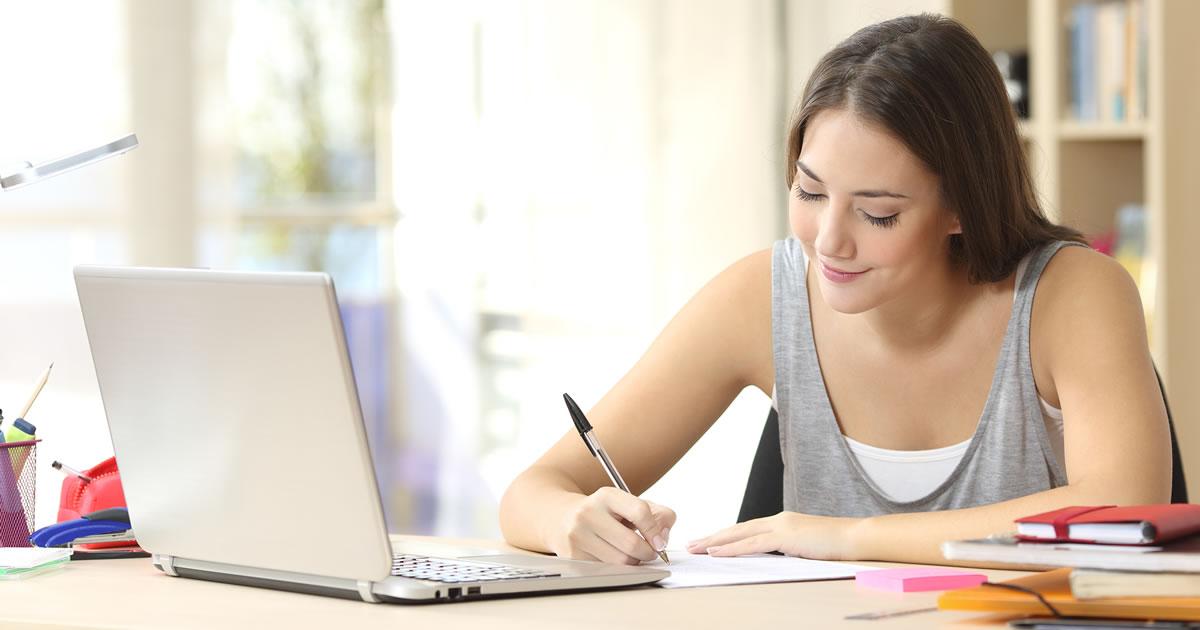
{"points": [[1128, 525]]}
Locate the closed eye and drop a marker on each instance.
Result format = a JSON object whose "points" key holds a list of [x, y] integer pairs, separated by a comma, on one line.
{"points": [[804, 195], [889, 221]]}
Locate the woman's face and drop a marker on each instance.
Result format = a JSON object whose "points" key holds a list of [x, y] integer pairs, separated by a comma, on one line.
{"points": [[867, 212]]}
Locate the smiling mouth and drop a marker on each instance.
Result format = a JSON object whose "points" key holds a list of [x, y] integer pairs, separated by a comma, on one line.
{"points": [[838, 275]]}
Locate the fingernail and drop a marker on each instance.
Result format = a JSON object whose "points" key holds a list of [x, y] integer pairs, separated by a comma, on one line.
{"points": [[666, 534], [712, 550], [659, 545], [693, 543]]}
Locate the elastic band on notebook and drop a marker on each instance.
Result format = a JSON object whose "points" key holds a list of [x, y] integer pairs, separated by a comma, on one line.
{"points": [[1029, 591], [1066, 514]]}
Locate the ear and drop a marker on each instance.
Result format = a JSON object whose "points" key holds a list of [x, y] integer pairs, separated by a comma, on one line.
{"points": [[955, 226]]}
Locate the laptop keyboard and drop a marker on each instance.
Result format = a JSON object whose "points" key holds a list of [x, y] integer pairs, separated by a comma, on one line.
{"points": [[452, 571]]}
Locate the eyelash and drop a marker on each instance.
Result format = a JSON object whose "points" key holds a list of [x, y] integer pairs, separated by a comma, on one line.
{"points": [[804, 195], [883, 222]]}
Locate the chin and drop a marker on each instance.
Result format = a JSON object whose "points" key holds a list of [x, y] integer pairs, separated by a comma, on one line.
{"points": [[846, 299]]}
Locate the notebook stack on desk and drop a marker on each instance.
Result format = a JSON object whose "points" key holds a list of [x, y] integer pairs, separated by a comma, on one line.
{"points": [[1140, 562], [1055, 589]]}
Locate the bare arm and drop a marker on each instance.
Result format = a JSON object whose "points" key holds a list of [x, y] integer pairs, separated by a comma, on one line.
{"points": [[1090, 339], [717, 345]]}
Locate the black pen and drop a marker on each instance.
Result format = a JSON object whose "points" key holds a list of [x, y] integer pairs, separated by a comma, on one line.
{"points": [[593, 444]]}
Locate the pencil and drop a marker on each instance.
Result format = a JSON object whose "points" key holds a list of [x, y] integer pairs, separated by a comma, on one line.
{"points": [[37, 390]]}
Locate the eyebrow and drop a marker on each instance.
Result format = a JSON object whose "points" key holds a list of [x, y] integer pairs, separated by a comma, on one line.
{"points": [[861, 193]]}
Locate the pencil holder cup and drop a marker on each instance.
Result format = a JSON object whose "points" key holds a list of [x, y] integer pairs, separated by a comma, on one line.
{"points": [[18, 468]]}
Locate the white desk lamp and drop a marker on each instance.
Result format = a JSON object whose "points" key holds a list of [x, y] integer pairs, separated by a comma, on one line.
{"points": [[30, 173]]}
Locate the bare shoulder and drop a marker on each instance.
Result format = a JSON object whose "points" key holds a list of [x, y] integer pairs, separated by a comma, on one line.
{"points": [[1079, 281], [749, 277], [742, 290], [1087, 323], [725, 328], [744, 287]]}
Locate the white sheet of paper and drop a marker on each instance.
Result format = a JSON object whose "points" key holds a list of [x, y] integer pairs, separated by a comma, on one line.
{"points": [[29, 557], [703, 570]]}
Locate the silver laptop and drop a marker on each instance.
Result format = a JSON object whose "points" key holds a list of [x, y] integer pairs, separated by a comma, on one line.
{"points": [[236, 424]]}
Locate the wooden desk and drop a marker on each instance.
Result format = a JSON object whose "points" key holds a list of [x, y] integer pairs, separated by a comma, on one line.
{"points": [[133, 594]]}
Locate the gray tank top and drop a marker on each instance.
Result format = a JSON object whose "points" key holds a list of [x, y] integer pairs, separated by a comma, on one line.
{"points": [[1009, 455]]}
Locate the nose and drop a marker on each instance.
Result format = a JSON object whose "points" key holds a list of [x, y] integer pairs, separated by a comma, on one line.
{"points": [[835, 236]]}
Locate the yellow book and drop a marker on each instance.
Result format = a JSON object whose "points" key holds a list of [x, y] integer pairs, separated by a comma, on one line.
{"points": [[1054, 586], [1098, 583]]}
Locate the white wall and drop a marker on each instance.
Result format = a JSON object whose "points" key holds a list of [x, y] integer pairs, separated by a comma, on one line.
{"points": [[622, 154]]}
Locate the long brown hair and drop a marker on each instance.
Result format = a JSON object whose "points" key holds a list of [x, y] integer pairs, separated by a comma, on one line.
{"points": [[930, 83]]}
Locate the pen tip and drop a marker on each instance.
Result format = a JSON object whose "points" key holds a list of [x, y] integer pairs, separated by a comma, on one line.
{"points": [[572, 406]]}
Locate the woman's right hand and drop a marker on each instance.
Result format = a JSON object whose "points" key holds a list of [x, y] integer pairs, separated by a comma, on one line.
{"points": [[604, 526]]}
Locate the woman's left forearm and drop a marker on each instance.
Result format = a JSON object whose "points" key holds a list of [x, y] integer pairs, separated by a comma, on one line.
{"points": [[917, 537]]}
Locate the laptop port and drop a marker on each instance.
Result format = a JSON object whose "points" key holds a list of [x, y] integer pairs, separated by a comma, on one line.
{"points": [[455, 593], [472, 590]]}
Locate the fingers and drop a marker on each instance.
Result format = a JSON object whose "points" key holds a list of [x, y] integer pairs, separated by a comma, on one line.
{"points": [[793, 534], [606, 546], [642, 516], [659, 532], [728, 535], [625, 540], [759, 543], [650, 520], [602, 527]]}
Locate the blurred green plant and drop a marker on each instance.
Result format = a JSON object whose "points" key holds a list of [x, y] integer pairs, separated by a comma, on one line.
{"points": [[308, 139]]}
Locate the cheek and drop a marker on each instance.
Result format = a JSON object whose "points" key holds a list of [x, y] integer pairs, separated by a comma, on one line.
{"points": [[802, 222], [911, 246]]}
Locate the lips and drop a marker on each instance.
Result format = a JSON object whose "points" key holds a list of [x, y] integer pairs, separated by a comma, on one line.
{"points": [[840, 275]]}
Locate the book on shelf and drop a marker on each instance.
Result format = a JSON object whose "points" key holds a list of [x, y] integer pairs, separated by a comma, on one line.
{"points": [[1101, 583], [1107, 46], [1126, 525]]}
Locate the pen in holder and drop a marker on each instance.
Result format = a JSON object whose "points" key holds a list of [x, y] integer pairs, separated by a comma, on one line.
{"points": [[18, 468]]}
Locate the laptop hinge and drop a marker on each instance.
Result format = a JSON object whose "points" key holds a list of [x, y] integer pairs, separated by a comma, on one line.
{"points": [[168, 565], [364, 591]]}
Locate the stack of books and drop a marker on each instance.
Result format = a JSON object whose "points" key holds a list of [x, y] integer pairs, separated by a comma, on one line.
{"points": [[1131, 562]]}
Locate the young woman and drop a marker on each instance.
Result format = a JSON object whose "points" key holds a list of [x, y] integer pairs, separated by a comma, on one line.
{"points": [[943, 359]]}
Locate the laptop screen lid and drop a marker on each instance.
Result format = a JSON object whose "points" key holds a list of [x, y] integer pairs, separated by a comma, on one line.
{"points": [[234, 418]]}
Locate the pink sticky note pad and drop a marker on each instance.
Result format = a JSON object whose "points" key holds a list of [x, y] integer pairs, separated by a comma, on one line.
{"points": [[912, 579]]}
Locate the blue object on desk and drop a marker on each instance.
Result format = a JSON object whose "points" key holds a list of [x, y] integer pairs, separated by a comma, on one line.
{"points": [[100, 522]]}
